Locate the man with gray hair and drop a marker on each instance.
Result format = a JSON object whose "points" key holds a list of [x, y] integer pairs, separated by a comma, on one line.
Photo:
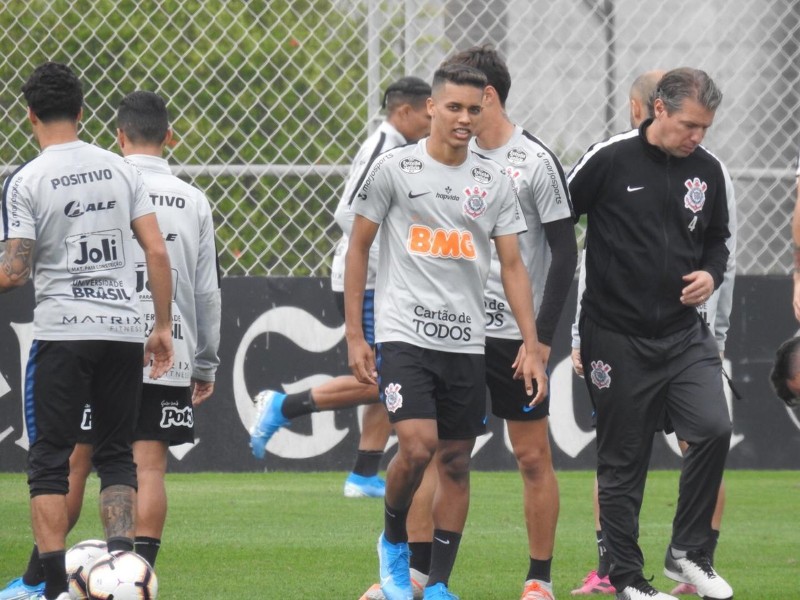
{"points": [[657, 226]]}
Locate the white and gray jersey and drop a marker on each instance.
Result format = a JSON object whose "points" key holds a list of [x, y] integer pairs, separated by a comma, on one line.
{"points": [[716, 311], [544, 198], [77, 201], [385, 138], [436, 223], [184, 217]]}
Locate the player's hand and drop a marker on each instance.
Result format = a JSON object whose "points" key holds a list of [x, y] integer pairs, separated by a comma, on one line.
{"points": [[361, 360], [577, 363], [201, 390], [699, 289], [533, 373], [544, 356], [158, 351]]}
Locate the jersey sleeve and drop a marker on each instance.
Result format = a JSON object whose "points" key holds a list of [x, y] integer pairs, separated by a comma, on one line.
{"points": [[374, 196], [550, 191], [722, 317], [207, 298], [141, 198], [585, 179], [510, 218], [18, 214]]}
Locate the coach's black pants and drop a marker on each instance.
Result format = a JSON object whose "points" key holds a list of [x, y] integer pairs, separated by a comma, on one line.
{"points": [[634, 382]]}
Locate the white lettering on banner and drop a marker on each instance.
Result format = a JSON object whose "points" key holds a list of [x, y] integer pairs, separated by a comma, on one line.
{"points": [[310, 334], [24, 332], [566, 433], [4, 389]]}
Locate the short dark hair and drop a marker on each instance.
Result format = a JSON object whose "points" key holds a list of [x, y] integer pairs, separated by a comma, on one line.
{"points": [[54, 93], [406, 90], [487, 61], [786, 367], [143, 117], [458, 74], [677, 85]]}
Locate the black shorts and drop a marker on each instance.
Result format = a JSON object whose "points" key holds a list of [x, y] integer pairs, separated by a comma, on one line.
{"points": [[418, 383], [508, 397], [61, 376], [165, 415]]}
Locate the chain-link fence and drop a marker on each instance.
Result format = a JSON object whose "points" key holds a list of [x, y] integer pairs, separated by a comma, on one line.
{"points": [[270, 98]]}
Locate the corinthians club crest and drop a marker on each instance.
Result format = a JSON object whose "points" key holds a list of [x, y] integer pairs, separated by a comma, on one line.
{"points": [[695, 198], [475, 204], [600, 374], [392, 397]]}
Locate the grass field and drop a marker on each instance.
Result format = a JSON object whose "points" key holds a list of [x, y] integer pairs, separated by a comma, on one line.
{"points": [[292, 536]]}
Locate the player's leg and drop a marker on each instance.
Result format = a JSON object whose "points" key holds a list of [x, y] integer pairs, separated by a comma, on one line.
{"points": [[166, 418], [363, 480], [115, 408], [527, 431], [596, 580], [461, 417], [699, 413], [59, 382]]}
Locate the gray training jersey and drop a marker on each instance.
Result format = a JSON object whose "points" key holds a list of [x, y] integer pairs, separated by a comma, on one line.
{"points": [[184, 217], [385, 138], [544, 198], [436, 225], [77, 202]]}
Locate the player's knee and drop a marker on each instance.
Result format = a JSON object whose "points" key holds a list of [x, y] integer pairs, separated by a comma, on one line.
{"points": [[534, 462]]}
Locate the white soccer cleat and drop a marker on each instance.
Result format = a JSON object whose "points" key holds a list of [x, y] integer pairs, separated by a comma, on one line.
{"points": [[642, 590], [695, 568]]}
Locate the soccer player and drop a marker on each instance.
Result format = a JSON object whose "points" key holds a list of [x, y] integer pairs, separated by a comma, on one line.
{"points": [[656, 249], [438, 204], [67, 217], [716, 313], [407, 120], [166, 416]]}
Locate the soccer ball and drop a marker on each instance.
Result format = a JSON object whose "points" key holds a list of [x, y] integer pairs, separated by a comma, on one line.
{"points": [[79, 559], [122, 575]]}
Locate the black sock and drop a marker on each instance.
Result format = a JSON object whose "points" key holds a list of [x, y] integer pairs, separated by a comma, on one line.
{"points": [[443, 555], [34, 574], [539, 569], [712, 545], [603, 559], [395, 524], [119, 543], [55, 573], [147, 548], [296, 405], [367, 462], [420, 556]]}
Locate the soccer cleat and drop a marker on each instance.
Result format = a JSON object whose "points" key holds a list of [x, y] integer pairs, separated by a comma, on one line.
{"points": [[418, 581], [592, 584], [394, 570], [269, 420], [537, 590], [439, 591], [684, 589], [695, 568], [642, 590], [17, 590], [358, 486]]}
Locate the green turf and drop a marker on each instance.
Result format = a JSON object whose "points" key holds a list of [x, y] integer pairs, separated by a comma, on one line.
{"points": [[290, 535]]}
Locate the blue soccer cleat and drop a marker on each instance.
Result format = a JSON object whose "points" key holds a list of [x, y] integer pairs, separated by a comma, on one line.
{"points": [[17, 590], [359, 486], [394, 570], [438, 591], [269, 420]]}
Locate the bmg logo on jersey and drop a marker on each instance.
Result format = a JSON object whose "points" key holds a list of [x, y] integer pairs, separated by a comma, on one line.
{"points": [[440, 243], [97, 251], [172, 416]]}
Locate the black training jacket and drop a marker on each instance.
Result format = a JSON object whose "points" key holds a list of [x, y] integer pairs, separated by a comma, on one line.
{"points": [[652, 218]]}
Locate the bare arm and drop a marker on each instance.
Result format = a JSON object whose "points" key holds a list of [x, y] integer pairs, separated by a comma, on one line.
{"points": [[16, 261], [360, 356], [517, 288], [159, 343]]}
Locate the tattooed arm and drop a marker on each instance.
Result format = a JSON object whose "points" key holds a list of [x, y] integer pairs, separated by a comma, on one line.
{"points": [[15, 263]]}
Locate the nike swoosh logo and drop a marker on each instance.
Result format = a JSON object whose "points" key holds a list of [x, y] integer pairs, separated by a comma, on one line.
{"points": [[527, 408], [441, 541], [635, 189], [412, 195]]}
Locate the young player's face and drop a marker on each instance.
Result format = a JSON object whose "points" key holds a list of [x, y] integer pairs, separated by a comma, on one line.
{"points": [[455, 113], [681, 132], [417, 123]]}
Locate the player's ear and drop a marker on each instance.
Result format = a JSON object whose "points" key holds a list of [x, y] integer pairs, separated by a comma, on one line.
{"points": [[120, 138], [169, 139], [32, 116], [80, 115]]}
